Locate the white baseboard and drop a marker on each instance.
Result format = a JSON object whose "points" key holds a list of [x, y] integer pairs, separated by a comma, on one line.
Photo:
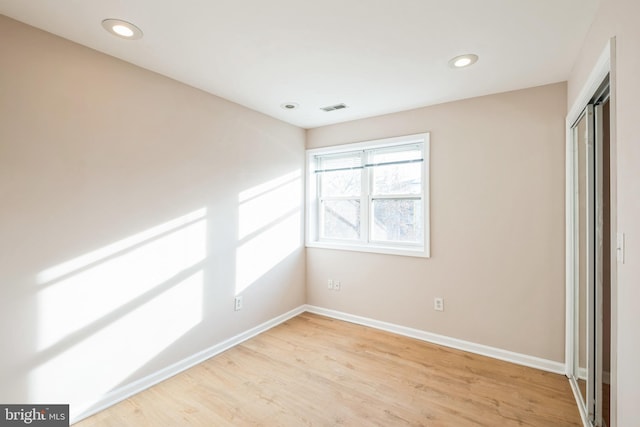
{"points": [[142, 384], [496, 353]]}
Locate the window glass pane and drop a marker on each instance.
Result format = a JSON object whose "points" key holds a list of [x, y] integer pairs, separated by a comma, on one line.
{"points": [[396, 154], [404, 178], [341, 183], [340, 175], [340, 161], [341, 219], [397, 220], [391, 175]]}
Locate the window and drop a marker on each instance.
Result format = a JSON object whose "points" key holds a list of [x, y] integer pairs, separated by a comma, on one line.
{"points": [[370, 196]]}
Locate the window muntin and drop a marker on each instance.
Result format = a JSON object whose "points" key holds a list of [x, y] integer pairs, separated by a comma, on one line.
{"points": [[371, 198]]}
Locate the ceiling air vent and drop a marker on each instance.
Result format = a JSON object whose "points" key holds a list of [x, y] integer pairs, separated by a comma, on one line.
{"points": [[333, 107]]}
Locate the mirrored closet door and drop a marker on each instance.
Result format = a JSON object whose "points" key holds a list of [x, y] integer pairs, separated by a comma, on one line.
{"points": [[589, 253]]}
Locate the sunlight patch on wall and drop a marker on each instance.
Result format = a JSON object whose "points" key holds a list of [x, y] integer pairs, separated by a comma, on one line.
{"points": [[269, 227], [266, 250], [104, 315], [268, 202], [98, 255], [79, 299], [85, 372]]}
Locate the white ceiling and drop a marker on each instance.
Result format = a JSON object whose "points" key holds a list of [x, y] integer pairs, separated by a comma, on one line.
{"points": [[376, 56]]}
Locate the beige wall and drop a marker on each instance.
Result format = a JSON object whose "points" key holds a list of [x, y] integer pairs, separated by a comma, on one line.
{"points": [[497, 226], [94, 150], [619, 18]]}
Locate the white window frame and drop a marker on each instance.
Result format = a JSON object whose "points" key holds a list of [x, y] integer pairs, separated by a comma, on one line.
{"points": [[366, 244]]}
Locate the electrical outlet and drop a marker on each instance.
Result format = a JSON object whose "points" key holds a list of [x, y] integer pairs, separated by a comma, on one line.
{"points": [[330, 284], [438, 304], [337, 285], [238, 303]]}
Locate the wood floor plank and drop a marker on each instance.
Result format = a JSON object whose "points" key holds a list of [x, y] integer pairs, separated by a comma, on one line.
{"points": [[317, 371]]}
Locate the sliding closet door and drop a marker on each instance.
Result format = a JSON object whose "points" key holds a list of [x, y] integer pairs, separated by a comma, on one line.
{"points": [[583, 137], [588, 261], [593, 243], [599, 259]]}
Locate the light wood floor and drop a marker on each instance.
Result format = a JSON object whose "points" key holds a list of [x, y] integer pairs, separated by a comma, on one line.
{"points": [[315, 371]]}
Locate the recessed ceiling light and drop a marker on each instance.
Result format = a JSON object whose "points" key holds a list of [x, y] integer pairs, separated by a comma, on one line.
{"points": [[123, 29], [289, 106], [462, 61]]}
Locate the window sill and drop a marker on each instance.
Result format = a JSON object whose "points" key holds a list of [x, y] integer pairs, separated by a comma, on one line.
{"points": [[418, 252]]}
